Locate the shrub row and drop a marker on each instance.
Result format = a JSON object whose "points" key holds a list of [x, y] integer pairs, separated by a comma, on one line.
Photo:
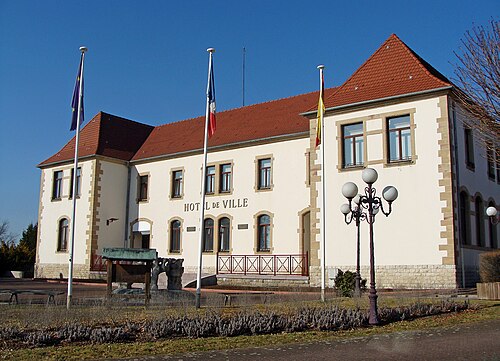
{"points": [[212, 324]]}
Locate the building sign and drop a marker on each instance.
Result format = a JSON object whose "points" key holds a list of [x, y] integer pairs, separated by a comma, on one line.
{"points": [[220, 204]]}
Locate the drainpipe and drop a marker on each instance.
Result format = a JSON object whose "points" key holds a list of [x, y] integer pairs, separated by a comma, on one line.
{"points": [[457, 195], [127, 207]]}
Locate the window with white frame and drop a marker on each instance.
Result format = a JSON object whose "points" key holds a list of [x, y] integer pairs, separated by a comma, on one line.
{"points": [[57, 185], [399, 138], [62, 238], [352, 145]]}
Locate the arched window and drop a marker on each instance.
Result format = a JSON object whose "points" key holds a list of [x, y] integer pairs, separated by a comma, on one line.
{"points": [[264, 233], [175, 236], [208, 235], [464, 218], [492, 230], [62, 240], [480, 241], [224, 234]]}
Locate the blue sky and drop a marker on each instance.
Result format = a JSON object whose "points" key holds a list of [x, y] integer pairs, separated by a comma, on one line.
{"points": [[147, 61]]}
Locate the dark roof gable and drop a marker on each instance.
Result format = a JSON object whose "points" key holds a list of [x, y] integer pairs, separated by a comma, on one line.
{"points": [[107, 135]]}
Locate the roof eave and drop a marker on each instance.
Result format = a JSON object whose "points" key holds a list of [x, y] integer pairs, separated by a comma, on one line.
{"points": [[272, 139], [51, 164], [371, 101]]}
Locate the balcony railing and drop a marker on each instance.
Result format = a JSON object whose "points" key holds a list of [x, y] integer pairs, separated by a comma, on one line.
{"points": [[97, 264], [292, 264]]}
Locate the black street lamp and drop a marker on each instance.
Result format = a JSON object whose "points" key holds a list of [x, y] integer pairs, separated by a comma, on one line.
{"points": [[357, 215], [372, 203]]}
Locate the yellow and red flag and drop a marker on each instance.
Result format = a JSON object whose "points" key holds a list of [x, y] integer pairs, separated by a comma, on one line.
{"points": [[321, 110]]}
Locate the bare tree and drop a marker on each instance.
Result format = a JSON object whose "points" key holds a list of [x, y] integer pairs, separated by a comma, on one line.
{"points": [[478, 75], [5, 235]]}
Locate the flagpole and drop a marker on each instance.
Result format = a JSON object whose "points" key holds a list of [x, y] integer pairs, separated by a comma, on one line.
{"points": [[75, 174], [203, 185], [323, 182]]}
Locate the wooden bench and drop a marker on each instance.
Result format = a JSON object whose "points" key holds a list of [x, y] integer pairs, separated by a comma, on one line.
{"points": [[50, 294]]}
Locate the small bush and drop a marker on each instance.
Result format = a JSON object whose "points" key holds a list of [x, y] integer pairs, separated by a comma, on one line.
{"points": [[345, 283], [489, 266]]}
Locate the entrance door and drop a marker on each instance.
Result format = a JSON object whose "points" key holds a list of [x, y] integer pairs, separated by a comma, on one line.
{"points": [[306, 235], [145, 241]]}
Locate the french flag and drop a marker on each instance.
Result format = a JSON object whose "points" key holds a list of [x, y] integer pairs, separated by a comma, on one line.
{"points": [[211, 101]]}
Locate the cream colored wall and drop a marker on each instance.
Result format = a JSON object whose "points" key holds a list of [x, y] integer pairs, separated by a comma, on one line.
{"points": [[288, 196], [53, 211], [411, 234], [112, 201]]}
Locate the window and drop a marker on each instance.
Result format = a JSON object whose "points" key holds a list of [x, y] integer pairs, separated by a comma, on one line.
{"points": [[464, 218], [210, 180], [399, 138], [177, 184], [175, 236], [78, 182], [143, 188], [490, 158], [469, 148], [352, 143], [492, 228], [225, 178], [62, 240], [264, 233], [264, 173], [479, 222], [224, 234], [208, 235], [57, 185]]}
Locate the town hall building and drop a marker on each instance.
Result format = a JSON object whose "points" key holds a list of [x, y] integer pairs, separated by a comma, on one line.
{"points": [[138, 186]]}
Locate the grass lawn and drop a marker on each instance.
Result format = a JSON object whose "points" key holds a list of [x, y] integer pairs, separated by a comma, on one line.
{"points": [[33, 316]]}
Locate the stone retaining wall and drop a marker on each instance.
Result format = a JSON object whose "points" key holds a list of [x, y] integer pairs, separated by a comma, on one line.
{"points": [[263, 281], [55, 270], [404, 277]]}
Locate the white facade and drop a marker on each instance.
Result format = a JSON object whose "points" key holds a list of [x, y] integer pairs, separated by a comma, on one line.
{"points": [[287, 196], [431, 239]]}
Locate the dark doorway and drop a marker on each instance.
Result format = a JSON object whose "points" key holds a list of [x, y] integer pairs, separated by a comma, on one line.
{"points": [[145, 241]]}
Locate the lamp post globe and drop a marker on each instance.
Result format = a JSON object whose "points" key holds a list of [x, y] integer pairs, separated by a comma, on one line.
{"points": [[390, 193], [369, 175], [345, 209], [491, 211], [349, 190]]}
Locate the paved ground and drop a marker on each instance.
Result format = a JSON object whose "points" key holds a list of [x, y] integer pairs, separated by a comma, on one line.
{"points": [[477, 341], [92, 292]]}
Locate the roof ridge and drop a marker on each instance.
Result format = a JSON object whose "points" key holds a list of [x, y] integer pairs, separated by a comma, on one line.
{"points": [[73, 138], [125, 119], [245, 106], [429, 72], [420, 61], [344, 84]]}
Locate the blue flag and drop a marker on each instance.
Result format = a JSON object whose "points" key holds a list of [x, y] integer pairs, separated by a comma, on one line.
{"points": [[76, 95]]}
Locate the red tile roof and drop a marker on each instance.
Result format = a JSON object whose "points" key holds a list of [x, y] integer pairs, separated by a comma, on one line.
{"points": [[106, 135], [254, 122], [394, 69]]}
